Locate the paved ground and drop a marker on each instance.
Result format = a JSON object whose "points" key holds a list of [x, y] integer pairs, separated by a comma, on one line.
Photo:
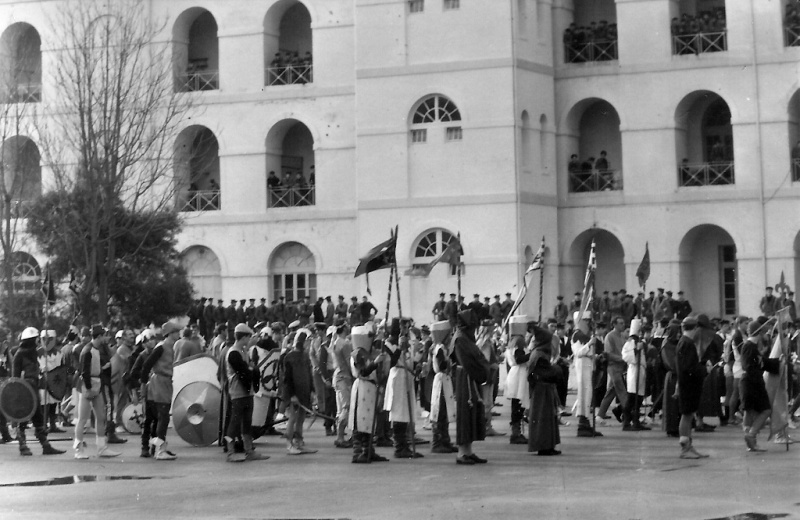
{"points": [[622, 475]]}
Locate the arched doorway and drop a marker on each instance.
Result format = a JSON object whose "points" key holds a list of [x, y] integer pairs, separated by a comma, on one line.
{"points": [[21, 74], [704, 140], [290, 154], [708, 270], [610, 274], [293, 271], [204, 272], [196, 51], [197, 170]]}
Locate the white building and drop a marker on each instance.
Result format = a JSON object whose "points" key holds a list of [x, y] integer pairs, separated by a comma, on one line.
{"points": [[460, 116]]}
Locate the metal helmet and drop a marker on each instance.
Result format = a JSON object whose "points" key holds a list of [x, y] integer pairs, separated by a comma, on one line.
{"points": [[28, 333]]}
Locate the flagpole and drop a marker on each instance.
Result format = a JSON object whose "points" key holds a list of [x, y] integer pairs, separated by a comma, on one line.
{"points": [[458, 268], [389, 295], [541, 286]]}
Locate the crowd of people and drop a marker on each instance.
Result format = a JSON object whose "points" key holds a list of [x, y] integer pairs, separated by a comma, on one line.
{"points": [[595, 42], [291, 190], [289, 68], [370, 379], [704, 32]]}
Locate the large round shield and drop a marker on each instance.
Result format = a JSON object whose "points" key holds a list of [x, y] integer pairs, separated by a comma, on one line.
{"points": [[201, 367], [58, 382], [18, 400], [195, 413], [133, 418]]}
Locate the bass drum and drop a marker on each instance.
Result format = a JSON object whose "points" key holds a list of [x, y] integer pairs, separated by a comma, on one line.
{"points": [[133, 418], [18, 400]]}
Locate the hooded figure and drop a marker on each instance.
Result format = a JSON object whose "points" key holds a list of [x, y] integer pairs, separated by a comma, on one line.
{"points": [[542, 380]]}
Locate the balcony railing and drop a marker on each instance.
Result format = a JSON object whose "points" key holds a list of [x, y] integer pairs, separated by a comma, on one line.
{"points": [[199, 81], [699, 43], [290, 75], [706, 174], [207, 200], [24, 93], [590, 51], [290, 197], [795, 170], [596, 180], [793, 36]]}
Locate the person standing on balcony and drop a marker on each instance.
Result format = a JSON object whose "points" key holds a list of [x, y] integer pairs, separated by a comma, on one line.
{"points": [[601, 164], [273, 182], [312, 176], [574, 164]]}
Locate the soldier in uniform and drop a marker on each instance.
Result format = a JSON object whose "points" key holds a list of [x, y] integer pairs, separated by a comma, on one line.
{"points": [[507, 304], [451, 310], [354, 313], [495, 312], [561, 311], [261, 312], [159, 386], [341, 310], [250, 314], [438, 308], [241, 314], [26, 366], [230, 318], [209, 320]]}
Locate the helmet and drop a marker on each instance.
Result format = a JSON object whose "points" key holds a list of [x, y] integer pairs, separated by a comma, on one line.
{"points": [[30, 332]]}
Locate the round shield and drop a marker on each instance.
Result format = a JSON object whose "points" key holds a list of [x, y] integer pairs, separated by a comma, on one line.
{"points": [[57, 382], [18, 400], [133, 418], [195, 413], [192, 369]]}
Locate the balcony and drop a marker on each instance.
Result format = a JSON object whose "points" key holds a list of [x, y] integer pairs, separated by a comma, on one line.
{"points": [[590, 51], [199, 81], [595, 180], [24, 93], [792, 33], [706, 174], [699, 43], [207, 200], [290, 197], [290, 75]]}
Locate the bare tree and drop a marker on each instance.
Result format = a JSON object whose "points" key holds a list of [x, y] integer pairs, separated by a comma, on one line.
{"points": [[20, 173], [108, 135]]}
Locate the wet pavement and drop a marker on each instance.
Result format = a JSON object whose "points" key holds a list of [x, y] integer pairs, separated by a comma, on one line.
{"points": [[623, 475]]}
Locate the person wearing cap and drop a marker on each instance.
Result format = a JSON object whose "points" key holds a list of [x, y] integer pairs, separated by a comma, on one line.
{"points": [[560, 311], [340, 311], [690, 373], [242, 376], [323, 393], [574, 306], [438, 308], [304, 311], [451, 310], [354, 312], [207, 327], [296, 392], [517, 357], [584, 351], [159, 385], [615, 386], [657, 308], [330, 311], [753, 390], [25, 365], [506, 305], [633, 353], [367, 309], [495, 311], [92, 395], [341, 351], [768, 303], [50, 359], [681, 306], [628, 309]]}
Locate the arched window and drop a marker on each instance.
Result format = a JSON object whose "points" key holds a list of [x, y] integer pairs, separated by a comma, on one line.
{"points": [[432, 112], [26, 273], [197, 170], [293, 272], [21, 75], [429, 246], [196, 51], [204, 272]]}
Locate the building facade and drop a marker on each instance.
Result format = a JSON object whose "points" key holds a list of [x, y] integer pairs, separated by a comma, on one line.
{"points": [[461, 117]]}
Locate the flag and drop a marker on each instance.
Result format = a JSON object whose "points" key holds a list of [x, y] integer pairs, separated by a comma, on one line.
{"points": [[643, 272], [48, 289], [451, 255], [379, 257], [588, 282], [538, 260], [776, 383]]}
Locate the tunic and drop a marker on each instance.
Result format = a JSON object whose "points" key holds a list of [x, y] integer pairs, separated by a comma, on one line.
{"points": [[583, 348], [690, 374], [159, 386], [364, 394], [297, 378], [473, 370], [752, 388], [442, 386], [516, 380], [630, 356]]}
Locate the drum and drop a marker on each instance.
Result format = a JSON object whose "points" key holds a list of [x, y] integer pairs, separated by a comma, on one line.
{"points": [[201, 367], [18, 400], [195, 413], [58, 382], [133, 418]]}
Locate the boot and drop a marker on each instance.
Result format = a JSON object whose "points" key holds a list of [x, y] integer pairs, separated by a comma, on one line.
{"points": [[359, 455], [52, 413], [340, 441], [47, 449], [437, 446], [23, 446], [111, 434], [80, 449], [516, 435], [444, 431], [401, 449], [585, 428], [161, 450], [103, 450], [688, 451], [6, 435], [250, 452]]}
